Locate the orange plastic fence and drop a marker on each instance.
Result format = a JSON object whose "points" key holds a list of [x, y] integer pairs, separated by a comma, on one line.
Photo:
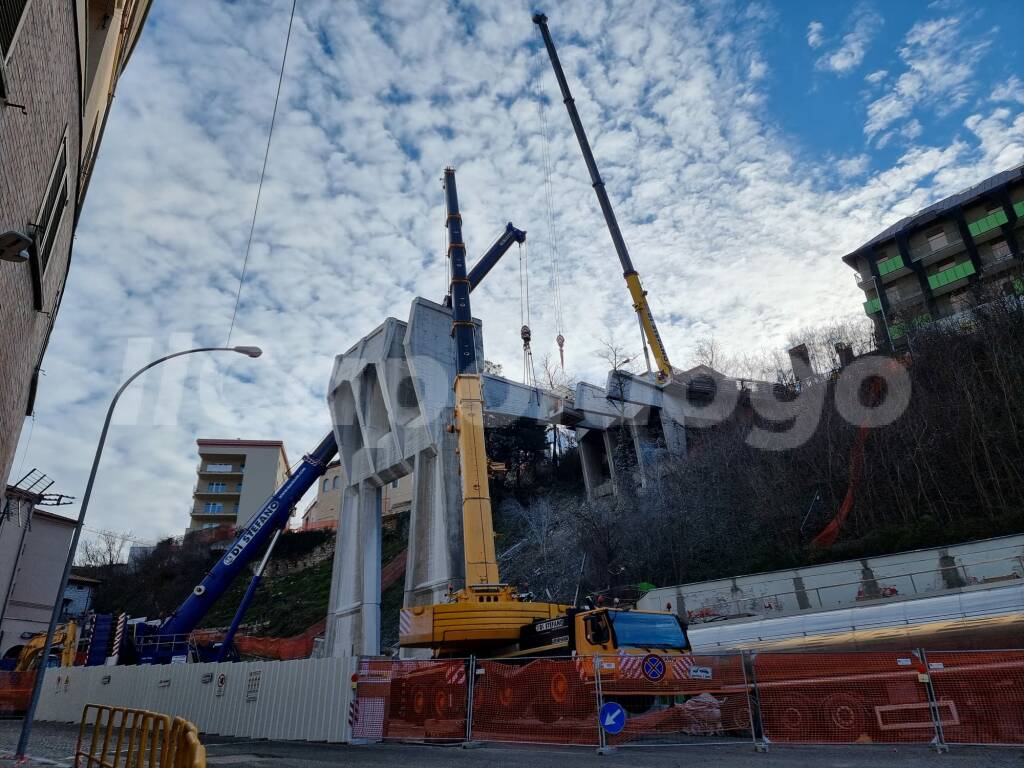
{"points": [[411, 700], [681, 699], [982, 694], [844, 697], [547, 701], [15, 691]]}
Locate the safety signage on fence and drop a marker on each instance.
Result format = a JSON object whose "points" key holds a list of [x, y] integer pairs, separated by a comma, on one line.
{"points": [[612, 717], [653, 667]]}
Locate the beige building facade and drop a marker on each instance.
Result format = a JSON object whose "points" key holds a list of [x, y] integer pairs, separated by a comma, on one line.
{"points": [[60, 63], [323, 511], [233, 480]]}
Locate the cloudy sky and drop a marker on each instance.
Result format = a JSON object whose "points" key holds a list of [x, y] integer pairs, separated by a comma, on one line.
{"points": [[746, 146]]}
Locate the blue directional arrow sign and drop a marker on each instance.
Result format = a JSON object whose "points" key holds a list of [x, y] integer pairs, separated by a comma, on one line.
{"points": [[612, 717]]}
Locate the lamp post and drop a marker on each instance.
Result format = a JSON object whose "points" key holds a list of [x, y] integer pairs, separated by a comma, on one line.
{"points": [[58, 604]]}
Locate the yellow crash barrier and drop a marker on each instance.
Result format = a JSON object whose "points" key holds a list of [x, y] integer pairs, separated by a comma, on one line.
{"points": [[119, 737]]}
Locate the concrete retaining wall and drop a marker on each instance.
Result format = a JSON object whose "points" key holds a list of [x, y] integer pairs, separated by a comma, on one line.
{"points": [[836, 585]]}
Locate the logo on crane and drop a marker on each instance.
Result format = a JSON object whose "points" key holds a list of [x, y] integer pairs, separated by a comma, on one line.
{"points": [[250, 533]]}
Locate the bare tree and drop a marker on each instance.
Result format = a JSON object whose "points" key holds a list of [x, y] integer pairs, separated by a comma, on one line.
{"points": [[107, 548], [613, 352]]}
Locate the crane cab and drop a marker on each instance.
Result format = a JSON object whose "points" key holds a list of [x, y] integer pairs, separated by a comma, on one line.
{"points": [[608, 630]]}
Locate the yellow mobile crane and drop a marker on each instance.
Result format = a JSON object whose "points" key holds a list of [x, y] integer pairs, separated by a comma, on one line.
{"points": [[488, 617], [636, 290]]}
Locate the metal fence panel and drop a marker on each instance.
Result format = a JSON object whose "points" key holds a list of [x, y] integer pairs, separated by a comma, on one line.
{"points": [[844, 697], [541, 701], [671, 699], [980, 694], [411, 700]]}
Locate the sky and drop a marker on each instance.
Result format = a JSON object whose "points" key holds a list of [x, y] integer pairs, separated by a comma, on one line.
{"points": [[746, 146]]}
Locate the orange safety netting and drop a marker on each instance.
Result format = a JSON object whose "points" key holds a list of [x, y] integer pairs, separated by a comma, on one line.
{"points": [[980, 695], [414, 700], [15, 692], [843, 697], [548, 701], [678, 698]]}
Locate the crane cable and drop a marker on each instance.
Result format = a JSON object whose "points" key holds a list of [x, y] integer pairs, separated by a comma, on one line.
{"points": [[263, 173], [556, 295], [529, 375]]}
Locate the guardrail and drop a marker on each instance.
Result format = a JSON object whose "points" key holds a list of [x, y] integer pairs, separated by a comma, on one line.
{"points": [[111, 737]]}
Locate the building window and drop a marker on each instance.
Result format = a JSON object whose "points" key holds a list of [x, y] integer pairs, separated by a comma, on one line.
{"points": [[937, 239], [213, 507], [235, 510], [326, 484], [394, 483], [51, 212], [1001, 251], [217, 487], [218, 468], [336, 482], [238, 487], [11, 12]]}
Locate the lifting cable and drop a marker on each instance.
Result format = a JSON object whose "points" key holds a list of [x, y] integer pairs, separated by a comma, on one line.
{"points": [[552, 232], [529, 375], [263, 172]]}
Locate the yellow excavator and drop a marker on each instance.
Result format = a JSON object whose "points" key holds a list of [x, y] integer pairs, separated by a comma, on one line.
{"points": [[65, 646]]}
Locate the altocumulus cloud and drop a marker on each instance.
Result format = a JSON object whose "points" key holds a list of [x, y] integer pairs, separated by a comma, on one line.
{"points": [[735, 233]]}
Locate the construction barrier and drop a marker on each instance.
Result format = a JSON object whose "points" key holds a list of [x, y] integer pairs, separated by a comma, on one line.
{"points": [[15, 691], [982, 694], [677, 699], [816, 698], [417, 700], [968, 697], [109, 737], [540, 701], [307, 699]]}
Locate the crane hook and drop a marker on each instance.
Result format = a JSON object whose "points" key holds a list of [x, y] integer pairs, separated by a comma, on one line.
{"points": [[560, 339]]}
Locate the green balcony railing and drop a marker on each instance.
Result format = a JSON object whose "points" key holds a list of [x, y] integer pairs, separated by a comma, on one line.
{"points": [[991, 221], [951, 275], [873, 305], [1018, 208], [890, 265]]}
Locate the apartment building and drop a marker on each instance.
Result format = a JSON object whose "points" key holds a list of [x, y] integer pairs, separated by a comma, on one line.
{"points": [[60, 63], [931, 265], [322, 512], [233, 480]]}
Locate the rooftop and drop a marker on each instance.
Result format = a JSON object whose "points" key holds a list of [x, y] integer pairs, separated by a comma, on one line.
{"points": [[238, 442], [935, 210]]}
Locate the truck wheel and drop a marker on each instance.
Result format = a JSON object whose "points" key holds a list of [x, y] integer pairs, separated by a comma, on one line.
{"points": [[557, 700], [418, 704], [791, 720], [845, 716]]}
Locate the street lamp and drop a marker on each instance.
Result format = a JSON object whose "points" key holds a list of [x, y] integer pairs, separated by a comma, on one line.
{"points": [[26, 727]]}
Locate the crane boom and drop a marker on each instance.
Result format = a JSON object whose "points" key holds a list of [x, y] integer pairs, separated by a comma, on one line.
{"points": [[636, 290], [477, 524], [169, 639]]}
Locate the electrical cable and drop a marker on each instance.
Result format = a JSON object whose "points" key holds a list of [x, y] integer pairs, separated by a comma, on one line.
{"points": [[263, 173]]}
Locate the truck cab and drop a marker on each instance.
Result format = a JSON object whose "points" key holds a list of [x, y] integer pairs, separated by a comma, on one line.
{"points": [[610, 630]]}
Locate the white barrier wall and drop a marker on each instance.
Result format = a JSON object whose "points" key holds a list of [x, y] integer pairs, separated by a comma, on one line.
{"points": [[306, 699]]}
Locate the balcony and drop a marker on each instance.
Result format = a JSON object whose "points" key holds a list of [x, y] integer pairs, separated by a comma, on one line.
{"points": [[197, 491], [950, 278], [927, 254], [873, 305], [986, 224], [1018, 208], [219, 469]]}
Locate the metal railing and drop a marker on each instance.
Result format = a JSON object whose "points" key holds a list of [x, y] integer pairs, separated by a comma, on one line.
{"points": [[889, 586], [112, 737]]}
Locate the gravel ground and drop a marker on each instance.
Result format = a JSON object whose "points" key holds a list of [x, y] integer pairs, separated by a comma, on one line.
{"points": [[54, 744]]}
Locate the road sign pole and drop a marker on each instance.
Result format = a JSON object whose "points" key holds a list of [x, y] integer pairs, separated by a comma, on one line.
{"points": [[601, 741]]}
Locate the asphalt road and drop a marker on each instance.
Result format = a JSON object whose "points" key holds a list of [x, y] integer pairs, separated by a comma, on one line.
{"points": [[54, 744]]}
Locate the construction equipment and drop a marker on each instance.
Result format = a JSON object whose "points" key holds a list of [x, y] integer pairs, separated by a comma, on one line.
{"points": [[486, 616], [169, 640], [62, 652], [636, 290]]}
